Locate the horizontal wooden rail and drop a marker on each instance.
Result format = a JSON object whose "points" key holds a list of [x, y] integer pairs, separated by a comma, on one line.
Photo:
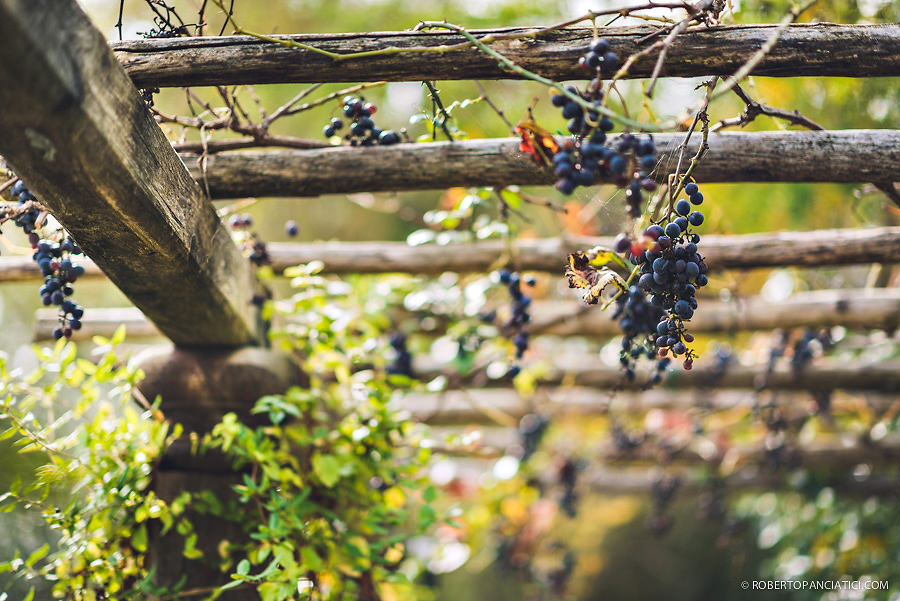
{"points": [[824, 376], [641, 481], [822, 49], [504, 406], [772, 156], [828, 450], [636, 480], [800, 249], [781, 249], [864, 309]]}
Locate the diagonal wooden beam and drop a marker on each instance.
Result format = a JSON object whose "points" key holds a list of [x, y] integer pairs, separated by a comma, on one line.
{"points": [[74, 127], [821, 49]]}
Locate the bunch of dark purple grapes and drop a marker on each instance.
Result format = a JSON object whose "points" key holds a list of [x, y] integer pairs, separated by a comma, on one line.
{"points": [[568, 478], [59, 274], [638, 318], [516, 327], [258, 253], [363, 131], [588, 157], [27, 217], [672, 270], [402, 363], [55, 262]]}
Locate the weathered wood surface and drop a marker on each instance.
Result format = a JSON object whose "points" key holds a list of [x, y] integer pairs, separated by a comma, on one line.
{"points": [[76, 130], [496, 406], [97, 322], [821, 376], [864, 309], [773, 156], [781, 249], [821, 49], [801, 249]]}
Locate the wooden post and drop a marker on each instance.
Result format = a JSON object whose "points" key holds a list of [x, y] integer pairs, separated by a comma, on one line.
{"points": [[821, 49], [74, 127], [197, 388]]}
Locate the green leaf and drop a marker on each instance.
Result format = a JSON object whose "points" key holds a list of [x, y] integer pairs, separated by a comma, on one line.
{"points": [[29, 596], [37, 555], [511, 198], [429, 494], [139, 538], [311, 559], [243, 567], [119, 336], [327, 468]]}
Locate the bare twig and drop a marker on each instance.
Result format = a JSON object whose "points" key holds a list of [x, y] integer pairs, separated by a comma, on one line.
{"points": [[759, 55], [694, 12], [484, 96], [753, 109], [436, 100]]}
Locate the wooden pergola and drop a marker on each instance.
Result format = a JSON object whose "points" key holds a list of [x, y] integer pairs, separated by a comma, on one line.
{"points": [[76, 129]]}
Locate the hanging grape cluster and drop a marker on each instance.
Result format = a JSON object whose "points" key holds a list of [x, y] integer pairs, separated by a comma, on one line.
{"points": [[253, 245], [402, 362], [588, 157], [516, 326], [363, 131], [54, 258]]}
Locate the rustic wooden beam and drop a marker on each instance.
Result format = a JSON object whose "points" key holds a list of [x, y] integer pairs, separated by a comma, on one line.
{"points": [[822, 376], [781, 249], [772, 156], [877, 308], [864, 309], [695, 479], [504, 406], [76, 130], [821, 49], [749, 251]]}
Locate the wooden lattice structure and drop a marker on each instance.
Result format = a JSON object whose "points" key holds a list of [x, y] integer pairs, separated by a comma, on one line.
{"points": [[136, 207]]}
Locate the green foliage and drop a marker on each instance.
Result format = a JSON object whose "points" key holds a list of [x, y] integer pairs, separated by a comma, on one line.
{"points": [[330, 486], [827, 537], [96, 452]]}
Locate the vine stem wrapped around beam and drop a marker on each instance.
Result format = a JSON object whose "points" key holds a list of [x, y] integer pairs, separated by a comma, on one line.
{"points": [[774, 156], [798, 249], [864, 309], [802, 50]]}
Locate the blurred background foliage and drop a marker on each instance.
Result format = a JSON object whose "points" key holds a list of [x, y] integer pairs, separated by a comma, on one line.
{"points": [[617, 556]]}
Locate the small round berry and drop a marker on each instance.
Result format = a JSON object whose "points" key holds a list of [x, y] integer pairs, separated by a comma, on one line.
{"points": [[691, 188], [682, 207], [648, 161], [696, 218], [673, 230], [696, 199], [291, 228], [600, 46], [610, 61]]}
